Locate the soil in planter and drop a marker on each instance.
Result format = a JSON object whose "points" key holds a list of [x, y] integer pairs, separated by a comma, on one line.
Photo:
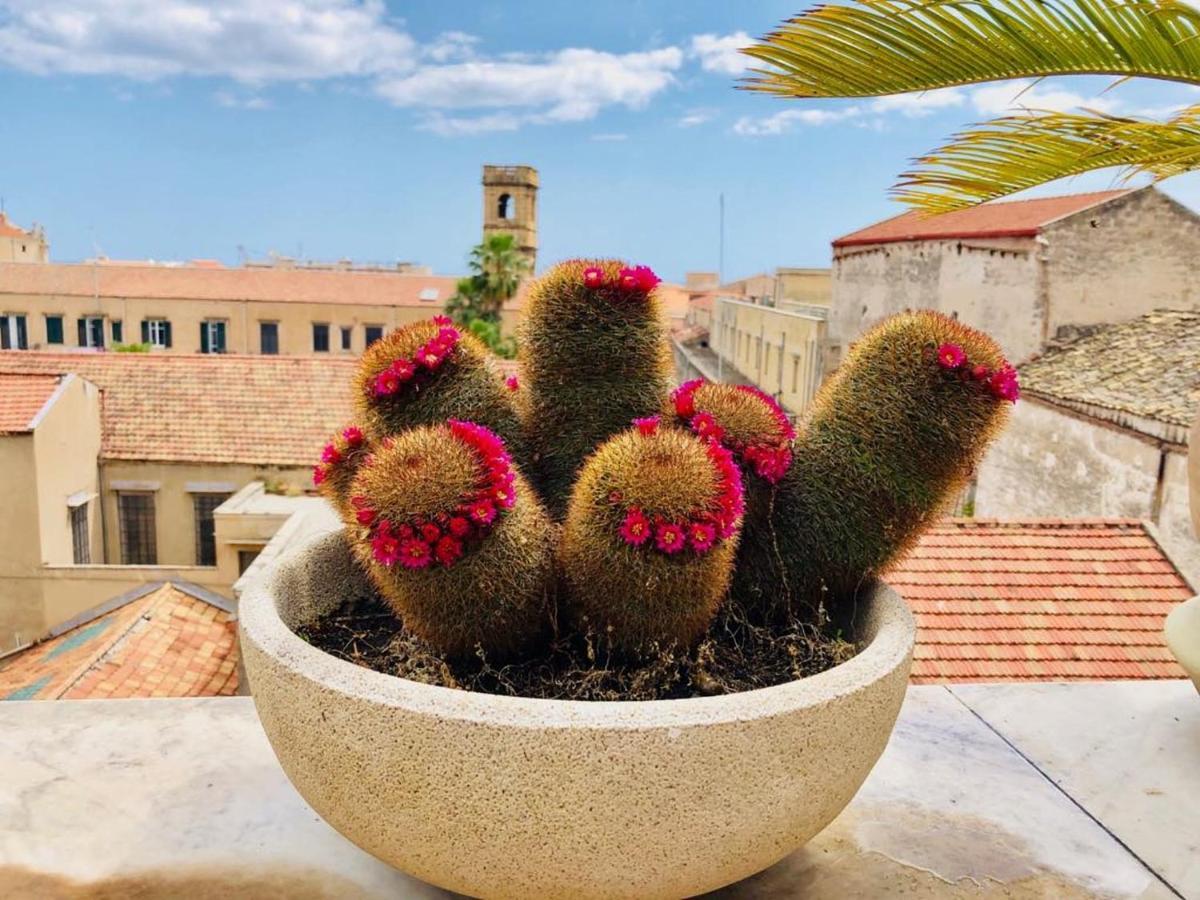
{"points": [[735, 655]]}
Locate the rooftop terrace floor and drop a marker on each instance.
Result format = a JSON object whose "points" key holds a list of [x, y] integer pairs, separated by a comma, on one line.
{"points": [[1015, 790]]}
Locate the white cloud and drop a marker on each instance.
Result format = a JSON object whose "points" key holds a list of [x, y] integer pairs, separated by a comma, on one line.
{"points": [[1016, 96], [920, 104], [451, 46], [467, 126], [610, 136], [247, 40], [694, 117], [569, 85], [720, 53], [233, 101], [783, 122]]}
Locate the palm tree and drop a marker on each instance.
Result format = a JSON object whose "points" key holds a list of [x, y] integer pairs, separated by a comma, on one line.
{"points": [[498, 266], [874, 48]]}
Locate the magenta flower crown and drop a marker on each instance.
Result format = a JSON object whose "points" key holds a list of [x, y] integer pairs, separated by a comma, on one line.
{"points": [[770, 458], [341, 449], [1002, 383], [442, 539], [636, 280], [427, 360], [699, 530]]}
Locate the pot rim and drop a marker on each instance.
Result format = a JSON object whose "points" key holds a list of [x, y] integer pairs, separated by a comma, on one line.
{"points": [[889, 648]]}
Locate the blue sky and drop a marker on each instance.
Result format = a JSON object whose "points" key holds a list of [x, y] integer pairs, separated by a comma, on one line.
{"points": [[173, 129]]}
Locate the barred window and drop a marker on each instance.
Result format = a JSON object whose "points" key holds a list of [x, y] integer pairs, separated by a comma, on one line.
{"points": [[81, 544], [139, 543], [206, 535]]}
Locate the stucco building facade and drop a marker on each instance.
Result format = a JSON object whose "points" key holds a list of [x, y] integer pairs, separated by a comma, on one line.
{"points": [[1027, 272]]}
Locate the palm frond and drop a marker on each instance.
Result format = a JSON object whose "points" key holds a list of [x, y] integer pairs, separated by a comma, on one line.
{"points": [[1013, 153], [878, 47]]}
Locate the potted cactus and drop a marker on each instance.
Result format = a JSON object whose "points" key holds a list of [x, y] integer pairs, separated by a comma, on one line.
{"points": [[600, 596]]}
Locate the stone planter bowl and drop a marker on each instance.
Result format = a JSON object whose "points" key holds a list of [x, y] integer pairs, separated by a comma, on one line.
{"points": [[509, 797], [1183, 637]]}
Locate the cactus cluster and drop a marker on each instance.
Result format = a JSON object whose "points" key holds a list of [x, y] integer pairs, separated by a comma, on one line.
{"points": [[588, 497]]}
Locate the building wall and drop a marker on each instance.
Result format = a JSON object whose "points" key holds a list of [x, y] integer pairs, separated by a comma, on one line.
{"points": [[30, 247], [20, 596], [777, 350], [1127, 257], [242, 318], [990, 284], [1056, 464], [803, 287], [175, 487]]}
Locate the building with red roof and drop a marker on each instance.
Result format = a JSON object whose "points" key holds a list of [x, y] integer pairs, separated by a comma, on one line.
{"points": [[1025, 271]]}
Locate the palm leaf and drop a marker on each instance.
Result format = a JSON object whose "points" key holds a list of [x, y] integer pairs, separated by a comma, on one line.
{"points": [[1013, 153], [879, 47]]}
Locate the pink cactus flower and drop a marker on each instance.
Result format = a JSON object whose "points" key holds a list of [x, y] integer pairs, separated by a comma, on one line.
{"points": [[415, 554], [684, 398], [482, 512], [365, 515], [635, 530], [707, 427], [442, 320], [459, 526], [701, 536], [430, 533], [648, 425], [951, 356], [669, 537], [353, 436], [386, 384], [403, 370], [385, 549], [981, 373], [646, 279], [331, 455], [318, 475], [448, 550], [1004, 384], [512, 383], [593, 277]]}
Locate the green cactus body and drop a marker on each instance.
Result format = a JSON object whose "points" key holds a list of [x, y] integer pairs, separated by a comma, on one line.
{"points": [[340, 461], [426, 373], [455, 539], [753, 426], [594, 356], [891, 439], [650, 537]]}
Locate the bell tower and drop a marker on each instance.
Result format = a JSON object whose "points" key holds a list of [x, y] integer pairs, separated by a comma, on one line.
{"points": [[510, 205]]}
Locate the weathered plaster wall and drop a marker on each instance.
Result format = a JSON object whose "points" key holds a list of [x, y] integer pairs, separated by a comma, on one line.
{"points": [[990, 284], [1120, 260], [1051, 463], [20, 599]]}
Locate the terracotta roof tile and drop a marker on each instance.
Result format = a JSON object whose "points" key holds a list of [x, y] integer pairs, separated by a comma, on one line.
{"points": [[207, 282], [255, 410], [22, 397], [1148, 368], [9, 229], [1047, 599], [167, 643], [1013, 218]]}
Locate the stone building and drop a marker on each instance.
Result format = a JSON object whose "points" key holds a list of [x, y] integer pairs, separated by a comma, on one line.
{"points": [[113, 467], [19, 245], [1102, 430], [510, 206], [1028, 272]]}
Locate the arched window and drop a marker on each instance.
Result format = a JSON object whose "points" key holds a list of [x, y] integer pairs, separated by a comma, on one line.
{"points": [[506, 208]]}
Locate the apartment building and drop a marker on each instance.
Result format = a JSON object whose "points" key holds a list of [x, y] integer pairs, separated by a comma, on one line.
{"points": [[204, 307], [18, 244], [112, 467]]}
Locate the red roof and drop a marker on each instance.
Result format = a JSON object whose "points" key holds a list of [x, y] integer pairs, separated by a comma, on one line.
{"points": [[207, 282], [1042, 599], [8, 229], [175, 407], [22, 397], [162, 641], [1013, 218]]}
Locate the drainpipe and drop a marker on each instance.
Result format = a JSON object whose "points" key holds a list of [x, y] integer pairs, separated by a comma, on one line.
{"points": [[103, 504], [1159, 485], [1043, 287]]}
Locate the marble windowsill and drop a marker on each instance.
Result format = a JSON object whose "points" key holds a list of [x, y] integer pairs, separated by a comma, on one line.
{"points": [[1038, 790]]}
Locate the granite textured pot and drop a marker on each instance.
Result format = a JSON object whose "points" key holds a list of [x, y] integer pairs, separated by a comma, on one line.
{"points": [[510, 797]]}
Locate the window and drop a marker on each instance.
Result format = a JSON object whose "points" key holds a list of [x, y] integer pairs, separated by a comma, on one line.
{"points": [[91, 332], [54, 329], [320, 338], [374, 333], [206, 538], [139, 543], [506, 207], [156, 333], [12, 333], [81, 544], [212, 337], [428, 294], [347, 337], [246, 559], [118, 331], [268, 338]]}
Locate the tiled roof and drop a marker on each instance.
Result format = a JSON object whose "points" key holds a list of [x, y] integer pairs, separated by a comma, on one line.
{"points": [[1044, 599], [9, 229], [1148, 368], [167, 642], [206, 282], [22, 397], [255, 410], [1013, 218]]}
